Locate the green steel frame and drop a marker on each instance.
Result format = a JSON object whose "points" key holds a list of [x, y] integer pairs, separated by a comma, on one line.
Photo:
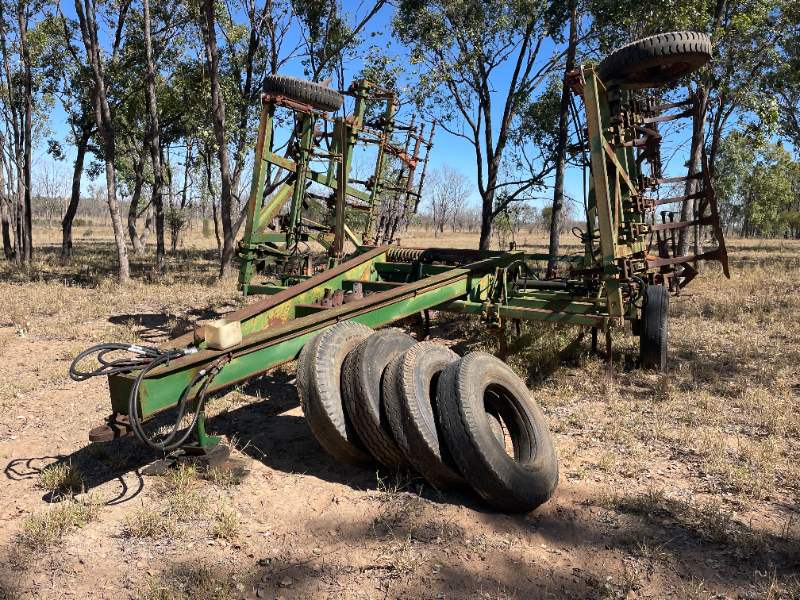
{"points": [[378, 285]]}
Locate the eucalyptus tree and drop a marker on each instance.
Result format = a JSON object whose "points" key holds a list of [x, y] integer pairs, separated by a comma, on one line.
{"points": [[477, 60], [67, 78], [757, 184], [26, 107], [102, 69]]}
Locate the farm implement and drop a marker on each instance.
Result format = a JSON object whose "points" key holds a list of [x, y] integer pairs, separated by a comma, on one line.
{"points": [[382, 395]]}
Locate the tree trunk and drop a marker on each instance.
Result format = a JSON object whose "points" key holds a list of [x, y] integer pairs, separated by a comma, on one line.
{"points": [[27, 254], [207, 25], [185, 192], [698, 136], [5, 219], [72, 209], [155, 142], [137, 240], [105, 125], [563, 138], [486, 221], [695, 166]]}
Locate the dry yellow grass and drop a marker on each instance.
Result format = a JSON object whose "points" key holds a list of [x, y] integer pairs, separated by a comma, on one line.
{"points": [[712, 443]]}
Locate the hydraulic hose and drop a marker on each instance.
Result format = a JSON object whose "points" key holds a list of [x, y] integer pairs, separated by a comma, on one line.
{"points": [[147, 359]]}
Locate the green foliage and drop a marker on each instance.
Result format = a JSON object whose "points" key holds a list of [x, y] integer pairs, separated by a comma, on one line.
{"points": [[206, 227], [757, 184]]}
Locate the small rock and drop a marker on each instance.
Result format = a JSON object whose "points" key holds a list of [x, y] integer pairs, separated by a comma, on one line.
{"points": [[332, 533], [286, 582], [630, 595], [78, 568], [293, 561], [317, 551], [140, 565]]}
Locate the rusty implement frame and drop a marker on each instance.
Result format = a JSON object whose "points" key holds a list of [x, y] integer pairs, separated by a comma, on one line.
{"points": [[264, 243], [380, 284]]}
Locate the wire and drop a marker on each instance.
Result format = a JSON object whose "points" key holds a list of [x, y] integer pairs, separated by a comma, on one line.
{"points": [[144, 355], [133, 413], [146, 359]]}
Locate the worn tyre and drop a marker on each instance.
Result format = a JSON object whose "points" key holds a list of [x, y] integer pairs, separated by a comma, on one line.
{"points": [[653, 328], [409, 399], [317, 95], [657, 59], [469, 389], [318, 381], [362, 375]]}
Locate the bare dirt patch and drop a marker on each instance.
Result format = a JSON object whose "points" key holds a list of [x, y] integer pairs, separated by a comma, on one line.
{"points": [[681, 485]]}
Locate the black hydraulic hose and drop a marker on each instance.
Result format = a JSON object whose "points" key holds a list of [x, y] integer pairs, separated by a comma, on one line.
{"points": [[144, 354], [147, 359], [133, 413]]}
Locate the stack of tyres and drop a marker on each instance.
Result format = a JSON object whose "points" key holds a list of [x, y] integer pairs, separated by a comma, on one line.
{"points": [[382, 397]]}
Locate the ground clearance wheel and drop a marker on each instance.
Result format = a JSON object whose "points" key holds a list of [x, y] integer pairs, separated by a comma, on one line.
{"points": [[469, 389], [657, 59], [653, 328], [318, 381], [317, 95], [409, 399], [362, 374]]}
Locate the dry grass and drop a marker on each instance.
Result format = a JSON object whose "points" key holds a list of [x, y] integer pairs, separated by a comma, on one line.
{"points": [[43, 529], [61, 477], [725, 415]]}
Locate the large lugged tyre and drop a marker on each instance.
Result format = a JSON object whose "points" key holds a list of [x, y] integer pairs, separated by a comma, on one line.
{"points": [[653, 328], [657, 59], [409, 399], [469, 389], [318, 381], [307, 92], [362, 375]]}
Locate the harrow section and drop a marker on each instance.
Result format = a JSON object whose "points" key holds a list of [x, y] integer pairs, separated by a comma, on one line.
{"points": [[452, 418]]}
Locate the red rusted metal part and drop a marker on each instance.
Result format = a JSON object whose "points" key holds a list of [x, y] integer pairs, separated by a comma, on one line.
{"points": [[117, 426], [574, 82]]}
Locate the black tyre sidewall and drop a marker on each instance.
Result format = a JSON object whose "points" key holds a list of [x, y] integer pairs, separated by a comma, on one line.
{"points": [[315, 94], [362, 378], [502, 481], [413, 415], [319, 381], [653, 335], [689, 47]]}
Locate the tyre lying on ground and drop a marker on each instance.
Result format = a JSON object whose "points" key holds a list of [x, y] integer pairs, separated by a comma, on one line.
{"points": [[469, 391], [409, 398], [362, 375], [319, 384]]}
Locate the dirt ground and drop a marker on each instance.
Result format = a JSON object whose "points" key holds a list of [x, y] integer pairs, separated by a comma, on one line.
{"points": [[679, 485]]}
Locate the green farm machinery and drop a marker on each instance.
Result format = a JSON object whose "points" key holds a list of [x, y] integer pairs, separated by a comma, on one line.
{"points": [[382, 394]]}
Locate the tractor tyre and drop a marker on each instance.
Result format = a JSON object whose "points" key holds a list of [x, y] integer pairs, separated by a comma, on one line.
{"points": [[318, 381], [658, 59], [315, 94], [362, 376], [409, 399], [469, 392], [653, 328]]}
